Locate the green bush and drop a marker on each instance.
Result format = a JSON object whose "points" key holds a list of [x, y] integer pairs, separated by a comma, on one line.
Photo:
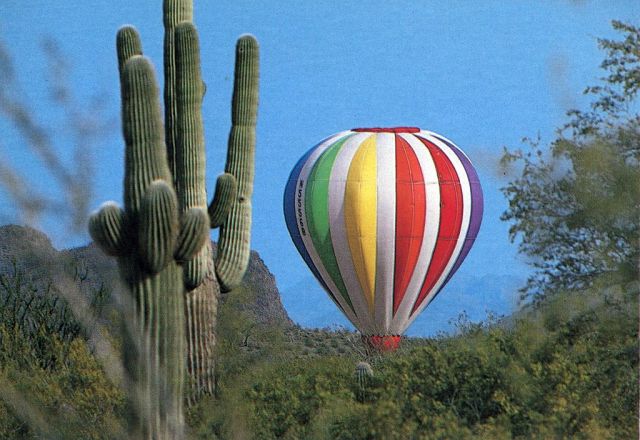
{"points": [[74, 400], [550, 372]]}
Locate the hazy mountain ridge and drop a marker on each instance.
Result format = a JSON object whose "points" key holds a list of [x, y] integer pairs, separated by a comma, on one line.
{"points": [[31, 251], [25, 248]]}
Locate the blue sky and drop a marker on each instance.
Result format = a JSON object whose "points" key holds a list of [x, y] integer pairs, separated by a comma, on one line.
{"points": [[483, 73]]}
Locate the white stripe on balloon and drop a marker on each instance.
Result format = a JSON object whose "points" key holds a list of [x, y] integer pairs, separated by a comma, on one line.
{"points": [[385, 230], [337, 186], [466, 218], [429, 237]]}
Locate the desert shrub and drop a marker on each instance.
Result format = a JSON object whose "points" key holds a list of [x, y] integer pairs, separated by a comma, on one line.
{"points": [[74, 400]]}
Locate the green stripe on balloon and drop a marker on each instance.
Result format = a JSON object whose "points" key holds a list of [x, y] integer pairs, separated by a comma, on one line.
{"points": [[317, 213]]}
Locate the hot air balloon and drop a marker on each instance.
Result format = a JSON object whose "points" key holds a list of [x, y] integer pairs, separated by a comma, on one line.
{"points": [[383, 217]]}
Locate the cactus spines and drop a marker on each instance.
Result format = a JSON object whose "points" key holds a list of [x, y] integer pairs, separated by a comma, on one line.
{"points": [[235, 232]]}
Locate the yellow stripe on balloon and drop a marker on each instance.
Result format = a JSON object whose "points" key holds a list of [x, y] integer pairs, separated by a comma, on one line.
{"points": [[360, 208]]}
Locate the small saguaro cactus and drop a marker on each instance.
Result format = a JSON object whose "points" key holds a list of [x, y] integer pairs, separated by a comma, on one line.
{"points": [[161, 236], [363, 374]]}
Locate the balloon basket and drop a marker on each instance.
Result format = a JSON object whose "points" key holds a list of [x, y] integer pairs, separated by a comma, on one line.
{"points": [[382, 344]]}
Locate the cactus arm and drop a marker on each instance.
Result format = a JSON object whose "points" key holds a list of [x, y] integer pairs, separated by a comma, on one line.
{"points": [[145, 158], [189, 156], [193, 234], [128, 44], [235, 234], [158, 226], [223, 198], [106, 227], [174, 12]]}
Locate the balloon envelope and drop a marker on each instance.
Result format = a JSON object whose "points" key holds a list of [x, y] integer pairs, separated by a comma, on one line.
{"points": [[383, 217]]}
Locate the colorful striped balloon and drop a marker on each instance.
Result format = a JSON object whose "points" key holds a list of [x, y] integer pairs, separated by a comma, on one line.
{"points": [[383, 217]]}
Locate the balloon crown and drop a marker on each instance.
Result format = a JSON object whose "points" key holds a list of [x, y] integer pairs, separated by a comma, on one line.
{"points": [[388, 130]]}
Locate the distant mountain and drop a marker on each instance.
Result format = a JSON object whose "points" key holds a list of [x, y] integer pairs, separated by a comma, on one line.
{"points": [[27, 249], [31, 252], [264, 303]]}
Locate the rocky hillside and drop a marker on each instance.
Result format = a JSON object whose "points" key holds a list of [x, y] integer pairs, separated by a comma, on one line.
{"points": [[31, 252]]}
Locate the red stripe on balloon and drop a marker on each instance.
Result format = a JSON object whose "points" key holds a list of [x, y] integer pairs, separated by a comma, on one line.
{"points": [[451, 207], [410, 216]]}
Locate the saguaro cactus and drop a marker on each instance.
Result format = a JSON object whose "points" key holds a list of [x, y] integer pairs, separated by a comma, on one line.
{"points": [[150, 239], [363, 374], [231, 206], [161, 236]]}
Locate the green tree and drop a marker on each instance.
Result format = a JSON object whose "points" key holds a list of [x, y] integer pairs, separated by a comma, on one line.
{"points": [[576, 210]]}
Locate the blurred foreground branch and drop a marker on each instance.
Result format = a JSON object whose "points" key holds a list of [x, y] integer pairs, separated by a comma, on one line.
{"points": [[64, 154]]}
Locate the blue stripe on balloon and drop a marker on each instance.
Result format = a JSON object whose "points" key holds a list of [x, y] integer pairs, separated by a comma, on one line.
{"points": [[291, 220]]}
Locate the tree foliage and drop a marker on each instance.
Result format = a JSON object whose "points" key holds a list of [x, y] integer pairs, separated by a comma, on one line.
{"points": [[576, 210], [29, 131]]}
